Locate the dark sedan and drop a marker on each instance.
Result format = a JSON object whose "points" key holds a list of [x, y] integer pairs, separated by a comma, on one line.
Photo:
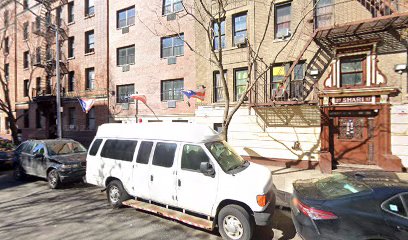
{"points": [[57, 160], [352, 205]]}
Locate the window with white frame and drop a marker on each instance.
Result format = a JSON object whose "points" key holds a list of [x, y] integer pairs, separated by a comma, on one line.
{"points": [[171, 89], [126, 55], [172, 6], [124, 92], [89, 42], [218, 87], [323, 13], [172, 46], [71, 13], [282, 20], [90, 78], [239, 28], [126, 17], [216, 27], [240, 82], [89, 7]]}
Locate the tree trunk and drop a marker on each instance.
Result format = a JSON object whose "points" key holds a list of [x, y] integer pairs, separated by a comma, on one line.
{"points": [[13, 129]]}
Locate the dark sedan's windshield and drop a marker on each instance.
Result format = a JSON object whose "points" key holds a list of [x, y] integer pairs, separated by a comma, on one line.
{"points": [[225, 156], [62, 148]]}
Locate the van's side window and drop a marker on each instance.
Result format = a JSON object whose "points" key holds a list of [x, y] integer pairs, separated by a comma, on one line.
{"points": [[164, 154], [192, 157], [119, 149], [144, 152], [95, 147]]}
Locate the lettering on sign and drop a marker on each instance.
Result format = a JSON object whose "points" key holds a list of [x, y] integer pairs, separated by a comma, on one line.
{"points": [[353, 100]]}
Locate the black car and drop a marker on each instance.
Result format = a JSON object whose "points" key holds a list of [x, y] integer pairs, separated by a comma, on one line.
{"points": [[352, 205], [57, 160]]}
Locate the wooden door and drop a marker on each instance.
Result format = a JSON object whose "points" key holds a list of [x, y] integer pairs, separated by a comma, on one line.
{"points": [[351, 140]]}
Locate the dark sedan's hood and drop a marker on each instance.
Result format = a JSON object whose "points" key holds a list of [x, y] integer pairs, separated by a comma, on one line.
{"points": [[70, 158]]}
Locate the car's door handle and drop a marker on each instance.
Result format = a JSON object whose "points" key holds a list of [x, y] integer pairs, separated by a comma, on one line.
{"points": [[179, 183], [151, 178]]}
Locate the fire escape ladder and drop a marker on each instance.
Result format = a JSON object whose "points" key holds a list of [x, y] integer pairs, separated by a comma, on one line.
{"points": [[379, 8]]}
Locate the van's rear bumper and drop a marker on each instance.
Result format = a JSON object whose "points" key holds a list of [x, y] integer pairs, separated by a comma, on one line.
{"points": [[265, 218]]}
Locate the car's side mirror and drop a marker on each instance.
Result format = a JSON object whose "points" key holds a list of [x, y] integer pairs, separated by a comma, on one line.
{"points": [[207, 169], [38, 155]]}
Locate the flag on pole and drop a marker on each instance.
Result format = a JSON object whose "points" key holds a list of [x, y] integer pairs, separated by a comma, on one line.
{"points": [[86, 104], [199, 93], [139, 97]]}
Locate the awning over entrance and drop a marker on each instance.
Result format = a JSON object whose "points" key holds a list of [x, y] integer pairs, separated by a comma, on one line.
{"points": [[387, 31]]}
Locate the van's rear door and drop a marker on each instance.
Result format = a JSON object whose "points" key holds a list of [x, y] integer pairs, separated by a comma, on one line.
{"points": [[162, 173]]}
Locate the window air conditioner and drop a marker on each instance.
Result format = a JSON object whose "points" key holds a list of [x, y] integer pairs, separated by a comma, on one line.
{"points": [[284, 34], [125, 30], [171, 17], [125, 68], [125, 106], [171, 60], [171, 104]]}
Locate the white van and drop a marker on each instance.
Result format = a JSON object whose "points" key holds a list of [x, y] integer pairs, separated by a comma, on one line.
{"points": [[182, 171]]}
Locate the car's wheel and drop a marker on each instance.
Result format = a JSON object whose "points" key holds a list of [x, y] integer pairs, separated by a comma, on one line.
{"points": [[19, 173], [53, 179], [116, 194], [234, 223]]}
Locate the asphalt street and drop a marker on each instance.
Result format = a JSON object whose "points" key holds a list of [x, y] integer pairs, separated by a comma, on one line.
{"points": [[30, 210]]}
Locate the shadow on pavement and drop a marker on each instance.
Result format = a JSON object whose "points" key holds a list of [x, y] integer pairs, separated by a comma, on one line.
{"points": [[283, 223]]}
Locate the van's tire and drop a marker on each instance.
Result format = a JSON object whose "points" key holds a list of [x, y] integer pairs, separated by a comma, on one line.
{"points": [[53, 179], [19, 173], [116, 194], [234, 223]]}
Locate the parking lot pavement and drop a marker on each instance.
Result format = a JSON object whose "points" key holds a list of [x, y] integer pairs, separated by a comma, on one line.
{"points": [[31, 210]]}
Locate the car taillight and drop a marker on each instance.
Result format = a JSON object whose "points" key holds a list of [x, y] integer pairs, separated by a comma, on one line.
{"points": [[313, 213]]}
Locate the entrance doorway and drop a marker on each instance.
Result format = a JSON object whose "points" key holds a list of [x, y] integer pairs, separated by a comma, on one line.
{"points": [[352, 137]]}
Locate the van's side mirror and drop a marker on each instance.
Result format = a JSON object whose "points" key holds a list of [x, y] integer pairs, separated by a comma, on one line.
{"points": [[207, 169]]}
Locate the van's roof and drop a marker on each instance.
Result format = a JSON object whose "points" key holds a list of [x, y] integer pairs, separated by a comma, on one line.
{"points": [[180, 132]]}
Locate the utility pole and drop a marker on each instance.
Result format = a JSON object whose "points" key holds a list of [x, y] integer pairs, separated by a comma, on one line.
{"points": [[58, 95]]}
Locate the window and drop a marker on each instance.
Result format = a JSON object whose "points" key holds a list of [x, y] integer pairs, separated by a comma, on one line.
{"points": [[351, 128], [71, 16], [89, 42], [6, 18], [90, 120], [172, 6], [119, 149], [71, 81], [296, 85], [95, 147], [172, 46], [25, 31], [26, 119], [323, 13], [396, 206], [278, 75], [71, 116], [144, 152], [25, 4], [171, 90], [71, 47], [6, 45], [218, 88], [59, 15], [38, 83], [126, 55], [25, 60], [126, 17], [240, 82], [38, 122], [239, 28], [26, 87], [216, 31], [164, 154], [192, 157], [124, 92], [89, 7], [6, 71], [90, 78], [352, 71], [282, 20]]}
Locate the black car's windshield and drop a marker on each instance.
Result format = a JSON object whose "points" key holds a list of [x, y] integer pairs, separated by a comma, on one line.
{"points": [[225, 156], [62, 148], [340, 185]]}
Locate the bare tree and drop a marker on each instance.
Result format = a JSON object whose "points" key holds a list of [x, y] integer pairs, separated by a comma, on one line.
{"points": [[208, 16]]}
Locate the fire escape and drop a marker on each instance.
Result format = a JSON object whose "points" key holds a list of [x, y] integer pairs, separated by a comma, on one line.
{"points": [[271, 105], [45, 26]]}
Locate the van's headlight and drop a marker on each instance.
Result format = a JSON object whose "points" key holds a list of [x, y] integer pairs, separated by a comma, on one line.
{"points": [[262, 200]]}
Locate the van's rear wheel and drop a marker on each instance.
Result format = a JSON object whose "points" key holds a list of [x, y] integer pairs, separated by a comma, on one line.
{"points": [[116, 194], [234, 223]]}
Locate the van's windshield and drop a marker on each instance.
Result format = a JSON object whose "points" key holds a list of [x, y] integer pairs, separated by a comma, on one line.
{"points": [[225, 156]]}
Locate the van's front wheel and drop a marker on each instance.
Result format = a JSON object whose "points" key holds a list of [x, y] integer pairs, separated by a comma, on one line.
{"points": [[234, 223], [116, 194]]}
